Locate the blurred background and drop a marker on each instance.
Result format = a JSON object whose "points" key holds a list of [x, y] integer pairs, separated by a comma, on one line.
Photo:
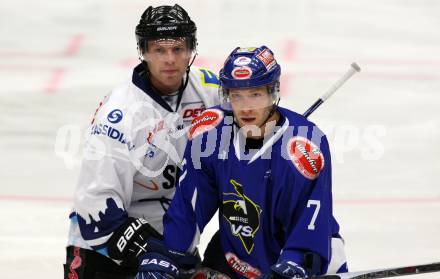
{"points": [[59, 58]]}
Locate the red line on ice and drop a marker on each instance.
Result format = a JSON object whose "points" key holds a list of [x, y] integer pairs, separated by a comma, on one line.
{"points": [[289, 50], [74, 45], [35, 198], [55, 80]]}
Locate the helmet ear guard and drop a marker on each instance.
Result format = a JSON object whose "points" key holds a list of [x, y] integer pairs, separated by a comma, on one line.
{"points": [[274, 91]]}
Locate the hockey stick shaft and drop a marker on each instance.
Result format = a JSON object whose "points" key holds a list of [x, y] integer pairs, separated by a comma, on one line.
{"points": [[354, 68], [386, 273]]}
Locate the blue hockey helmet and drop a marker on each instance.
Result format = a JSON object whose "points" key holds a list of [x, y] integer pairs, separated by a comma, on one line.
{"points": [[250, 67]]}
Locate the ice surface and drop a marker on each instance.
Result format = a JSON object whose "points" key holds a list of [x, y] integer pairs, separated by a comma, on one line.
{"points": [[59, 58]]}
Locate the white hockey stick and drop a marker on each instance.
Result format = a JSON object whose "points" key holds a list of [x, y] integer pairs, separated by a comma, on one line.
{"points": [[354, 68], [386, 273]]}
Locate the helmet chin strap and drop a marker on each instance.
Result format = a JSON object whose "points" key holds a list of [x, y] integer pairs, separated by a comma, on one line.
{"points": [[192, 61], [271, 112]]}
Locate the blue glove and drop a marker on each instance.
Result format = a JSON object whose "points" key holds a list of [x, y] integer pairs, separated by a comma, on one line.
{"points": [[286, 269], [159, 262], [289, 269], [153, 265]]}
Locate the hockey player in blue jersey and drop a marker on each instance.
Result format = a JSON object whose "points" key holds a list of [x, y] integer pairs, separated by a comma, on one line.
{"points": [[268, 171]]}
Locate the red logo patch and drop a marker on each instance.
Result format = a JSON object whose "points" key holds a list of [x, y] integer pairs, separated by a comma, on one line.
{"points": [[191, 113], [306, 157], [207, 273], [208, 120], [241, 72], [267, 58], [75, 264], [242, 267]]}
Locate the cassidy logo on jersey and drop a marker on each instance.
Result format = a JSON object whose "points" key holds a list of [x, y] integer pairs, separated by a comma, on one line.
{"points": [[242, 214], [115, 116], [306, 156], [113, 133]]}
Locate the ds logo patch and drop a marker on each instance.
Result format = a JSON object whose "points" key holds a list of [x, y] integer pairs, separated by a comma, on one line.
{"points": [[306, 157], [115, 116]]}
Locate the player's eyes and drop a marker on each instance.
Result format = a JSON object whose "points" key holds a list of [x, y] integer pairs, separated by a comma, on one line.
{"points": [[236, 97]]}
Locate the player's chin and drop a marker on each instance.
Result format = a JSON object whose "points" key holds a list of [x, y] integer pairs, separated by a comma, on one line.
{"points": [[172, 81], [248, 121]]}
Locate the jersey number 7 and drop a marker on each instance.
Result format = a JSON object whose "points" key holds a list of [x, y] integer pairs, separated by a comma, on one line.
{"points": [[316, 203]]}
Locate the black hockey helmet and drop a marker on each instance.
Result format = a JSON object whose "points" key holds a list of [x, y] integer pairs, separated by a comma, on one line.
{"points": [[165, 22]]}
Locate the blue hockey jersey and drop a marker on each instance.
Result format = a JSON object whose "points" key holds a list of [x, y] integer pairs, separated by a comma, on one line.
{"points": [[275, 203]]}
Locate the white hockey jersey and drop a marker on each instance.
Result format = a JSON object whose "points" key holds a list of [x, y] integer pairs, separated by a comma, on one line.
{"points": [[131, 158]]}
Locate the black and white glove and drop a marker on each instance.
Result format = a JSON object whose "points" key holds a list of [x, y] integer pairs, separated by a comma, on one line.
{"points": [[132, 240], [137, 244], [285, 269]]}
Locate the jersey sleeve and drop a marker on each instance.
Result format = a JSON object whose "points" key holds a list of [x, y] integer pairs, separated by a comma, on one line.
{"points": [[194, 203], [309, 201], [207, 83], [105, 183]]}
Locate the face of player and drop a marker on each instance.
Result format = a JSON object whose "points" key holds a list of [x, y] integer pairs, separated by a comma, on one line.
{"points": [[167, 61], [251, 106]]}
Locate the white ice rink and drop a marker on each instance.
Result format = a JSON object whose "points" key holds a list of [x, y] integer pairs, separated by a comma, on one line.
{"points": [[59, 58]]}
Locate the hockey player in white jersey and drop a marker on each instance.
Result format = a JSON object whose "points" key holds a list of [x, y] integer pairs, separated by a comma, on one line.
{"points": [[136, 142]]}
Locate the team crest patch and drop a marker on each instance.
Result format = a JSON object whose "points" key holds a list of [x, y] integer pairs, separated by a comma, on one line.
{"points": [[208, 120], [306, 157], [242, 214]]}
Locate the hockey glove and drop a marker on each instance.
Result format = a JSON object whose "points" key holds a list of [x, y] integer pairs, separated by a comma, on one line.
{"points": [[286, 269], [132, 240], [135, 241], [166, 263], [156, 266]]}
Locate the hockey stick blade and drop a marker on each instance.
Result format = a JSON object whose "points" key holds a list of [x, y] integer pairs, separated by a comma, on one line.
{"points": [[385, 273]]}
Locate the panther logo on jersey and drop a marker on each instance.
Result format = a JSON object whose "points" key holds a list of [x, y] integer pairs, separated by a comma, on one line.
{"points": [[242, 214]]}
